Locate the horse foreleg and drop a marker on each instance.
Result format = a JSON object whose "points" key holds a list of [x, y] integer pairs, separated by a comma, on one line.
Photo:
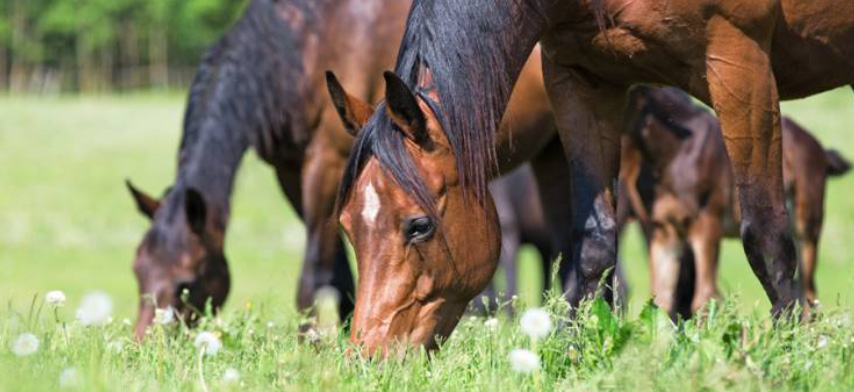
{"points": [[325, 261], [809, 217], [588, 115], [705, 240], [743, 92]]}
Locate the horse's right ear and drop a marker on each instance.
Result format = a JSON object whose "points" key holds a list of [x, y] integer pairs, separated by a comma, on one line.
{"points": [[146, 205], [354, 113], [402, 107]]}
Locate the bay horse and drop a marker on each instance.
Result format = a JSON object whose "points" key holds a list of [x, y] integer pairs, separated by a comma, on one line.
{"points": [[430, 149], [678, 184], [261, 86]]}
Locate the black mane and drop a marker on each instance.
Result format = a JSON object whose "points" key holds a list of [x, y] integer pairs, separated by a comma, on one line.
{"points": [[457, 42], [248, 92]]}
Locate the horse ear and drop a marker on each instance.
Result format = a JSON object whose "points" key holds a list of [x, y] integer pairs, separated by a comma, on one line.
{"points": [[146, 204], [354, 113], [402, 107], [195, 210]]}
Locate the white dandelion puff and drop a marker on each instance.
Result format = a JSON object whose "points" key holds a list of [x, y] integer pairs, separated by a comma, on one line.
{"points": [[68, 378], [491, 323], [55, 298], [536, 323], [164, 316], [95, 309], [25, 344], [230, 376], [524, 361], [115, 347], [823, 341], [209, 342], [271, 325]]}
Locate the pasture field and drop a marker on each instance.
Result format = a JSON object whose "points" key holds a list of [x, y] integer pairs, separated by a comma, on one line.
{"points": [[67, 223]]}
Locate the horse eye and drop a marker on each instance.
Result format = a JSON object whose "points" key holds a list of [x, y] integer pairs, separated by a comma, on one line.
{"points": [[418, 229]]}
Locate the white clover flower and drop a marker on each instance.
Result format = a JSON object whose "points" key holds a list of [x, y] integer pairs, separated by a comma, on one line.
{"points": [[524, 361], [270, 325], [209, 342], [68, 378], [230, 376], [823, 341], [55, 298], [536, 323], [491, 323], [25, 344], [126, 322], [95, 309], [164, 316]]}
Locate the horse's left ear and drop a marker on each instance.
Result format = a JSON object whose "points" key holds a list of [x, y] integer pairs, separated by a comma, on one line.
{"points": [[354, 113], [196, 210], [146, 204], [402, 107]]}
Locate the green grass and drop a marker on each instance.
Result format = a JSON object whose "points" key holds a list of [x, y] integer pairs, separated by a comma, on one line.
{"points": [[68, 224]]}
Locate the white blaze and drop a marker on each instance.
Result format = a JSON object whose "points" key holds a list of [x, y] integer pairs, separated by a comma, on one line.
{"points": [[371, 206]]}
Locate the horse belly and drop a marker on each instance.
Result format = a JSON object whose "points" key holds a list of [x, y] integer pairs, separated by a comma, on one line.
{"points": [[813, 48]]}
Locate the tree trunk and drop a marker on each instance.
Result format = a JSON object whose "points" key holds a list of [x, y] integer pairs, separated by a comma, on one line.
{"points": [[18, 72], [158, 50], [3, 68]]}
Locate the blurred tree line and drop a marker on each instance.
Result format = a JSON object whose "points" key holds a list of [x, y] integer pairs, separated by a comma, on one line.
{"points": [[47, 46]]}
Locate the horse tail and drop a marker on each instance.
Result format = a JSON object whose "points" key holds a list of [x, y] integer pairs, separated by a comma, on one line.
{"points": [[837, 165]]}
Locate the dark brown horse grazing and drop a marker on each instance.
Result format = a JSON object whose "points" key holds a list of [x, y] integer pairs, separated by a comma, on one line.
{"points": [[262, 86], [430, 149], [679, 185]]}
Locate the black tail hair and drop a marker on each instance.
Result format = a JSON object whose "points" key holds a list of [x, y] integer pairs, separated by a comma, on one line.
{"points": [[837, 165]]}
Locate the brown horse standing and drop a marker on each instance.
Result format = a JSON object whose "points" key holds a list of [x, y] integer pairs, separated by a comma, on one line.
{"points": [[428, 152], [262, 86], [679, 185]]}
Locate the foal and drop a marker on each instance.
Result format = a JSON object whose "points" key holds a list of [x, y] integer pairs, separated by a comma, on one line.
{"points": [[677, 181]]}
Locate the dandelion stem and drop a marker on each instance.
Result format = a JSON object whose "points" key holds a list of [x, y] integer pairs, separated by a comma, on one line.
{"points": [[202, 368]]}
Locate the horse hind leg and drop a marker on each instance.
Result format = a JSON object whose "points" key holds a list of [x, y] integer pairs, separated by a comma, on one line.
{"points": [[666, 253]]}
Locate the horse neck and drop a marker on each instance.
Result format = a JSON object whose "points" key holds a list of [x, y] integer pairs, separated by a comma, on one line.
{"points": [[209, 165]]}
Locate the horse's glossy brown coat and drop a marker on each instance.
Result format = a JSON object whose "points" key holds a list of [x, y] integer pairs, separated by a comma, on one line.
{"points": [[738, 56]]}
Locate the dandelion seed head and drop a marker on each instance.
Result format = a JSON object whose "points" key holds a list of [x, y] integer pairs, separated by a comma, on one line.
{"points": [[524, 361], [536, 323], [823, 341], [209, 342], [164, 316], [95, 309], [230, 376], [55, 298], [25, 344], [68, 378], [491, 323]]}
